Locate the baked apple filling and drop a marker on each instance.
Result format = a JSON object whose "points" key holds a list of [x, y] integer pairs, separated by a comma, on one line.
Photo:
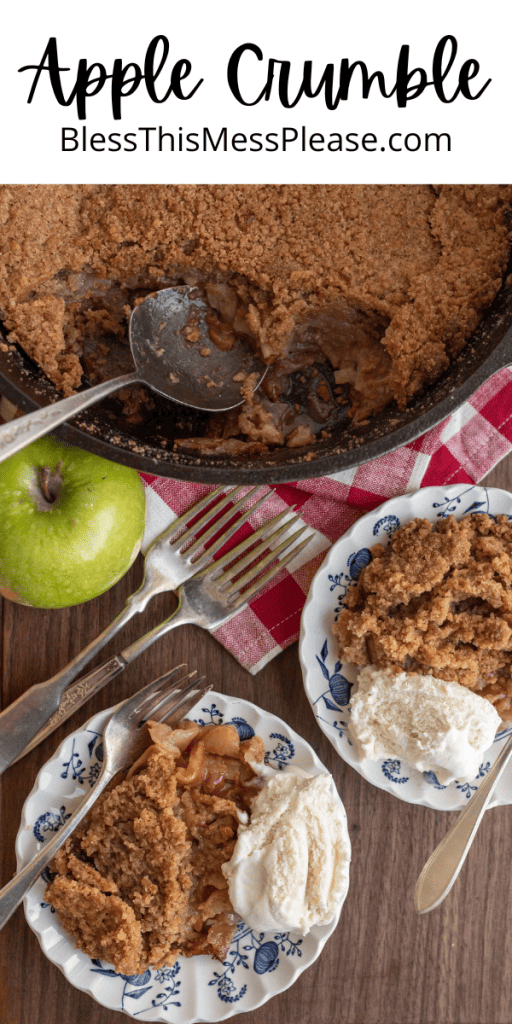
{"points": [[358, 294]]}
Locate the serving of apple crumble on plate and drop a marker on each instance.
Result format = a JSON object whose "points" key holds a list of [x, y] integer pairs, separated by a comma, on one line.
{"points": [[140, 882], [419, 587], [195, 987], [437, 599]]}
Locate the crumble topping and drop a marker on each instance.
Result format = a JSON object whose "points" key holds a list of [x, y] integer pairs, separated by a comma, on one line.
{"points": [[139, 883], [384, 282], [438, 600]]}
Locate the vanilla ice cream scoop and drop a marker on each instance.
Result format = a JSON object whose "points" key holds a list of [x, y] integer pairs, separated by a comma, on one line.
{"points": [[431, 724], [289, 869]]}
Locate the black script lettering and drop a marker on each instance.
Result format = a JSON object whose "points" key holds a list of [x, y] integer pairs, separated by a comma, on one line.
{"points": [[440, 71], [409, 83], [150, 73], [233, 66], [284, 84], [53, 69], [469, 70], [346, 72], [119, 81], [406, 91], [84, 79], [180, 71], [124, 79]]}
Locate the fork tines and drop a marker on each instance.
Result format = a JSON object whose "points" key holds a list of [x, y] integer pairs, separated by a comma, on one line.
{"points": [[179, 709], [158, 700], [157, 691], [217, 525], [254, 555], [188, 535]]}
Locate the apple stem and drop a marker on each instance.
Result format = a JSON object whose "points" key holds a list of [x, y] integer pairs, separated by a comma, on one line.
{"points": [[50, 483]]}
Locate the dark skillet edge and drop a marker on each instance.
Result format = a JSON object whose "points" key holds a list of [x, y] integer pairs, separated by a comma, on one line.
{"points": [[454, 387]]}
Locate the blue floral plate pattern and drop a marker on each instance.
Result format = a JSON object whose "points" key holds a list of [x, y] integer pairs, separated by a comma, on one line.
{"points": [[328, 680], [257, 966]]}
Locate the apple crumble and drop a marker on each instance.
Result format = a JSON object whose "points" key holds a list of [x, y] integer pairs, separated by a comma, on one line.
{"points": [[438, 600], [139, 883], [359, 293]]}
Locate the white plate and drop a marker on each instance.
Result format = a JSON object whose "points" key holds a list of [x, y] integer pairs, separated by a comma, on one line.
{"points": [[327, 680], [257, 966]]}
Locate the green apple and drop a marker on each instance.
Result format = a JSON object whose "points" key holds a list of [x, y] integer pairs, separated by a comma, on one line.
{"points": [[71, 524]]}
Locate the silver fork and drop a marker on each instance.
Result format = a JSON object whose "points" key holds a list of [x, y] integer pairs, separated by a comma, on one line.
{"points": [[174, 556], [207, 599], [124, 741]]}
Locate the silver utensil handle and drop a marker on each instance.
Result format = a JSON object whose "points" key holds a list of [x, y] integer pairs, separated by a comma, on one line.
{"points": [[444, 864], [22, 720], [75, 696], [89, 684], [13, 893], [18, 433]]}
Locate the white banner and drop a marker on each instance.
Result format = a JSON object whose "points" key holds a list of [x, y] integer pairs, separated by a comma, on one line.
{"points": [[269, 92]]}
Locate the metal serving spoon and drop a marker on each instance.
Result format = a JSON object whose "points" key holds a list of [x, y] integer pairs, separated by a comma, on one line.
{"points": [[444, 864], [167, 334]]}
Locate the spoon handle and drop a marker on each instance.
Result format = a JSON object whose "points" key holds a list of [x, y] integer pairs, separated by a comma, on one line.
{"points": [[18, 433], [444, 864]]}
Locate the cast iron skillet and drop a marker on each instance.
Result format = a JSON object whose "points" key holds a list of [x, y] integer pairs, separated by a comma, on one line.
{"points": [[104, 431]]}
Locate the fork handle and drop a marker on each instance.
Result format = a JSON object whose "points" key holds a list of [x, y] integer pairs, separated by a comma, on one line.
{"points": [[89, 684], [12, 893], [29, 715]]}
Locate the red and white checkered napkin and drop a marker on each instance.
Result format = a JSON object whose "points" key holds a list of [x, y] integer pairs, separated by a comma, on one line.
{"points": [[463, 448]]}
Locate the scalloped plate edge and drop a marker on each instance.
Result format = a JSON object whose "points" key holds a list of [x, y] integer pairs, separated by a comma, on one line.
{"points": [[372, 771], [321, 934]]}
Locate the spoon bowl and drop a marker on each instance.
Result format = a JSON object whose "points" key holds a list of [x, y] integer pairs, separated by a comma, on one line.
{"points": [[171, 339]]}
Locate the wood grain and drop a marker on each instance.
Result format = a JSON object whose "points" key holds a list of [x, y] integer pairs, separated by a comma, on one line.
{"points": [[383, 965]]}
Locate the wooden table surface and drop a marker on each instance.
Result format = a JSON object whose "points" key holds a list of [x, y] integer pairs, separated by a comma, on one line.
{"points": [[383, 964]]}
